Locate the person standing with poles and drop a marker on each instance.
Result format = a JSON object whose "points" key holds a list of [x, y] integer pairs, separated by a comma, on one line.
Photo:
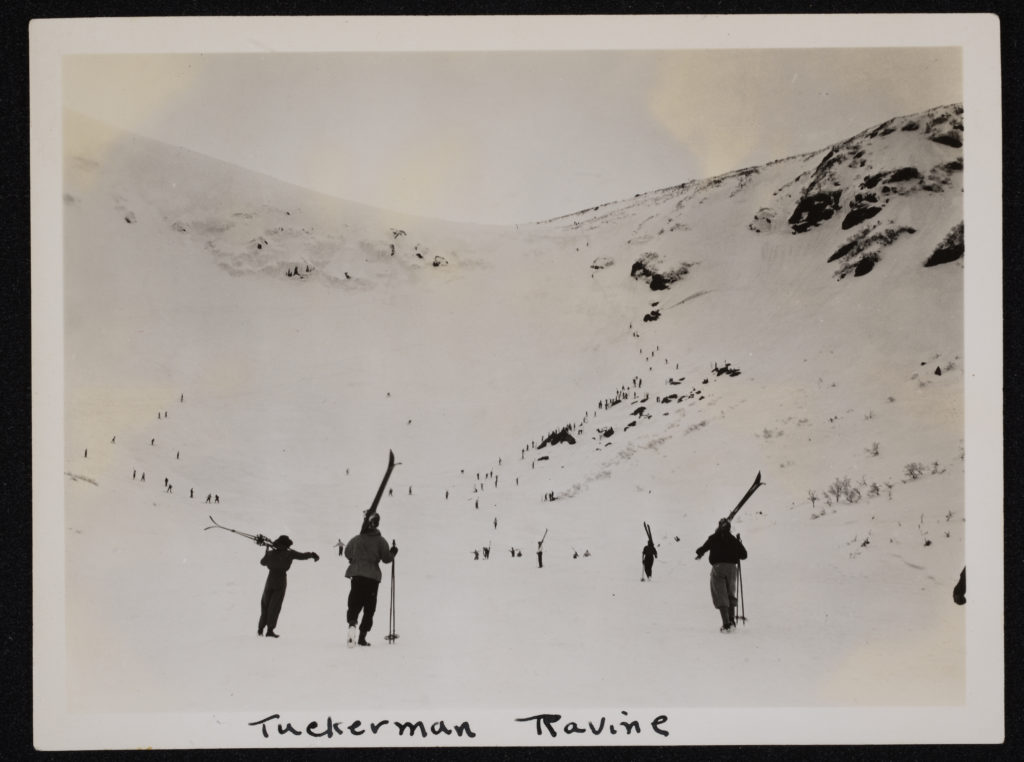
{"points": [[726, 552], [278, 559], [365, 552]]}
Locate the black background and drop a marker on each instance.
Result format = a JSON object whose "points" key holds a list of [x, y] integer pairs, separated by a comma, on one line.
{"points": [[15, 409]]}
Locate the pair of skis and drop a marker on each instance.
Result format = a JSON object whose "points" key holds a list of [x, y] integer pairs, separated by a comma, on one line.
{"points": [[741, 615], [392, 636], [259, 539], [753, 488]]}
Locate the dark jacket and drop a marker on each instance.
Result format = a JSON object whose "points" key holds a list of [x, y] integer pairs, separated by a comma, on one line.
{"points": [[649, 554], [365, 551], [725, 549], [279, 561]]}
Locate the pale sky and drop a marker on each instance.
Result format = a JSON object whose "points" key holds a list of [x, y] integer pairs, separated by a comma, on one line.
{"points": [[506, 137]]}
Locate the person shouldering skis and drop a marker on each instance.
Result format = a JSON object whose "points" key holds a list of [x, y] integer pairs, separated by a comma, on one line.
{"points": [[365, 552], [725, 552], [278, 560], [649, 554]]}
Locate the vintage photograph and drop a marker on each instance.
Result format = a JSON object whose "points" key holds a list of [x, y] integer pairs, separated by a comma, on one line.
{"points": [[461, 393]]}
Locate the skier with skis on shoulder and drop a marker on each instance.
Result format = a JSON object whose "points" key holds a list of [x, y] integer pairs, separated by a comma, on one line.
{"points": [[649, 554], [960, 589], [365, 552], [726, 551], [278, 559]]}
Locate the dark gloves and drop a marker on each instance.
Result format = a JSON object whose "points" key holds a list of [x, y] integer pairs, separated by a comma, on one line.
{"points": [[316, 557], [394, 548]]}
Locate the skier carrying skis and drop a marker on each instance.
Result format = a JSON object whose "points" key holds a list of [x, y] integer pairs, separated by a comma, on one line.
{"points": [[726, 551], [365, 551], [960, 589], [649, 554], [278, 559]]}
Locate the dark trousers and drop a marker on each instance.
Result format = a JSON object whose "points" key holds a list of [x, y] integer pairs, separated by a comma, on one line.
{"points": [[649, 568], [270, 605], [362, 596]]}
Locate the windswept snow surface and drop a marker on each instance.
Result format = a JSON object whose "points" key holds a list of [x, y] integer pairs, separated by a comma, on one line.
{"points": [[463, 345]]}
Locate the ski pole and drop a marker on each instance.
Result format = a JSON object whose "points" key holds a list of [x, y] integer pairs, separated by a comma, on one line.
{"points": [[743, 611], [392, 635]]}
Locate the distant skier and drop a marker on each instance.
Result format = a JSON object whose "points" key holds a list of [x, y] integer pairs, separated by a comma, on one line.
{"points": [[726, 553], [143, 477], [487, 552], [216, 498], [960, 590], [365, 552], [86, 452], [476, 554], [278, 559], [209, 498], [649, 554], [340, 546], [495, 522]]}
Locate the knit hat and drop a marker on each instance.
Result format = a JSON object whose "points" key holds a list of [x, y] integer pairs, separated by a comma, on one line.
{"points": [[284, 541]]}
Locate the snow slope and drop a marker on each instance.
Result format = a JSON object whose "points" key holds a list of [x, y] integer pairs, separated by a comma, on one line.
{"points": [[462, 348]]}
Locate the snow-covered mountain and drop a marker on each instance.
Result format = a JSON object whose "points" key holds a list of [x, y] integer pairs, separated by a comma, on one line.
{"points": [[637, 361]]}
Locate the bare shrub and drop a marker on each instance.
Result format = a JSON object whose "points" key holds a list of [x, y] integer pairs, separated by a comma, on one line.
{"points": [[842, 489], [914, 470]]}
